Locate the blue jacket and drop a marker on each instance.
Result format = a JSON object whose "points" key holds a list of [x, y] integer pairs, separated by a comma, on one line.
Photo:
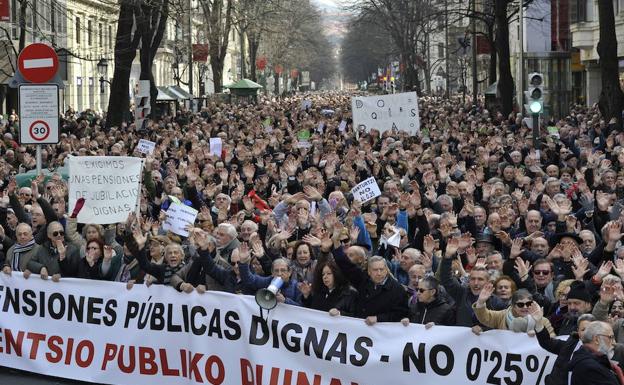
{"points": [[254, 282]]}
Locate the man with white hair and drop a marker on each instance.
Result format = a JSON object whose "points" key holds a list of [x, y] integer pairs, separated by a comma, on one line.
{"points": [[591, 364], [226, 240], [21, 252]]}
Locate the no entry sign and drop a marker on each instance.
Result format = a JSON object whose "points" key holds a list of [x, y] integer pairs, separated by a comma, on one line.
{"points": [[39, 113], [38, 63]]}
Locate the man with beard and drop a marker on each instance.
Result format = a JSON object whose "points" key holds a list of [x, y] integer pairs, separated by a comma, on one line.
{"points": [[591, 364], [579, 303]]}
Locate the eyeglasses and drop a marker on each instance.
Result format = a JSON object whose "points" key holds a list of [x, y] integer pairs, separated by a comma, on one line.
{"points": [[524, 304], [280, 270], [610, 337], [57, 233], [541, 272], [233, 263], [421, 290]]}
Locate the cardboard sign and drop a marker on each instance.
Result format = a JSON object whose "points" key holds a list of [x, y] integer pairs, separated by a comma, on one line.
{"points": [[367, 190], [216, 146], [387, 112], [179, 216], [146, 146]]}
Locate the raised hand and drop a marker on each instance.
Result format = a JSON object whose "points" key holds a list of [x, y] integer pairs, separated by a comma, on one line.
{"points": [[523, 268], [485, 294], [536, 312], [244, 253], [516, 248]]}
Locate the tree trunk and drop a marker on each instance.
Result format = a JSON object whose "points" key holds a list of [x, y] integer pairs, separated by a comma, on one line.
{"points": [[505, 82], [611, 97], [217, 73], [125, 52], [253, 56]]}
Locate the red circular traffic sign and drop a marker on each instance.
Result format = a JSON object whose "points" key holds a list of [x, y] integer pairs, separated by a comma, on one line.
{"points": [[38, 63], [39, 130]]}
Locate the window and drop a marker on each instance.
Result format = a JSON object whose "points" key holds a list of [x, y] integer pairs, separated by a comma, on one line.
{"points": [[110, 37], [578, 11], [89, 32], [440, 50], [77, 30], [100, 35]]}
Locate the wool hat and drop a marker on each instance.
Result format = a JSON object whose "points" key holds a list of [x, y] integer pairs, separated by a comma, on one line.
{"points": [[578, 291]]}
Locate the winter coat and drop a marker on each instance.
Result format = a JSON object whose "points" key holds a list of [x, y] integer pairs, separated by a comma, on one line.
{"points": [[254, 282], [563, 350], [46, 256], [387, 301], [438, 311], [497, 319], [589, 368], [342, 299]]}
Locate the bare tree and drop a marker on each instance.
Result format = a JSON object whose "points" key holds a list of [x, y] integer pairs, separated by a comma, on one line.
{"points": [[218, 17], [611, 100]]}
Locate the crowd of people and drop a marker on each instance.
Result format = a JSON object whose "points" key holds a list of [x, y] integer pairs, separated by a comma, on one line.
{"points": [[477, 225]]}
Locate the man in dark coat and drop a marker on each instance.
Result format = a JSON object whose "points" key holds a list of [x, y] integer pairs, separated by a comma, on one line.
{"points": [[380, 297], [591, 364], [430, 309], [563, 349]]}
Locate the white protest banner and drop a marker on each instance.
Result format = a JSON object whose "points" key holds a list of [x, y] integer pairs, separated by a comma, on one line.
{"points": [[366, 190], [100, 332], [110, 186], [387, 112], [146, 146], [216, 146], [179, 216]]}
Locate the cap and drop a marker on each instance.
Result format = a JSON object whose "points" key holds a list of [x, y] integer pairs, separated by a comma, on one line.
{"points": [[578, 291]]}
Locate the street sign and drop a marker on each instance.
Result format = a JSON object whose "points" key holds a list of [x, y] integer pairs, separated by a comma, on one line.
{"points": [[39, 113], [38, 63]]}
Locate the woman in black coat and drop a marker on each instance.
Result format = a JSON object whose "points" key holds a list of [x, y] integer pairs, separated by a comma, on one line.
{"points": [[329, 291]]}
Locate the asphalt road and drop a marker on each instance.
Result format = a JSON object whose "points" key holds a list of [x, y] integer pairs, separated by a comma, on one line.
{"points": [[19, 377]]}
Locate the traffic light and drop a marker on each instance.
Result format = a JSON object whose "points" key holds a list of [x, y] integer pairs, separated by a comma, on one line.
{"points": [[535, 93]]}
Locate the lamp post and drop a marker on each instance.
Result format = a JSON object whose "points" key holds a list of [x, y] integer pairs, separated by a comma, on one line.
{"points": [[102, 68]]}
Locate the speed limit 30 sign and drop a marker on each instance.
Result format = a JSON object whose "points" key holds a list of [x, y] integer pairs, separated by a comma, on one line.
{"points": [[39, 113]]}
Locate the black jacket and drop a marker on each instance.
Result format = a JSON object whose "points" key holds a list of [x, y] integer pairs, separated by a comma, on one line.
{"points": [[438, 311], [589, 368], [563, 350], [342, 299], [387, 301]]}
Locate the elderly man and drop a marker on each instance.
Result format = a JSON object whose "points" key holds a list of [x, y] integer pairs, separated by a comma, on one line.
{"points": [[380, 297], [20, 253], [289, 292], [55, 256], [430, 309], [591, 363], [400, 269], [226, 240], [464, 296]]}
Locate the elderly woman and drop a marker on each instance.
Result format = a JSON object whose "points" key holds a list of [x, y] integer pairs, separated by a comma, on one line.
{"points": [[303, 262], [516, 317], [504, 287]]}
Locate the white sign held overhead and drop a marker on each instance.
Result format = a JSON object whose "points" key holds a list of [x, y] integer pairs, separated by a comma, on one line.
{"points": [[387, 112], [366, 190], [39, 113], [343, 126], [109, 185], [179, 216], [146, 146], [216, 146]]}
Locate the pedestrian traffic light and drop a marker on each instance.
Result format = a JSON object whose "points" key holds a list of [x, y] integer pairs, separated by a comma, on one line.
{"points": [[535, 93]]}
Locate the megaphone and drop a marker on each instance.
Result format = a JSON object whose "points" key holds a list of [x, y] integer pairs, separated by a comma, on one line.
{"points": [[265, 298]]}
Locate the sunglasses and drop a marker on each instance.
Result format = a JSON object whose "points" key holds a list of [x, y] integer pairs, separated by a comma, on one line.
{"points": [[524, 304], [57, 233], [234, 263], [541, 272]]}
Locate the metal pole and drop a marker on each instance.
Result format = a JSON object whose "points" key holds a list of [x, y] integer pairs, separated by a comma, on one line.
{"points": [[38, 156], [446, 48], [473, 21], [520, 83], [536, 132], [190, 46]]}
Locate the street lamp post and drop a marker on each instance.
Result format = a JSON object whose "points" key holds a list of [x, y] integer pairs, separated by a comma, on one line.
{"points": [[102, 68]]}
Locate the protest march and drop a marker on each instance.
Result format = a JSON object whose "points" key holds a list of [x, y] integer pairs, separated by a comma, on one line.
{"points": [[325, 238]]}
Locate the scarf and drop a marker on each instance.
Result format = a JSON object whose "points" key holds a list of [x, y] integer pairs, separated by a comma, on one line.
{"points": [[170, 271], [519, 324], [18, 251]]}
